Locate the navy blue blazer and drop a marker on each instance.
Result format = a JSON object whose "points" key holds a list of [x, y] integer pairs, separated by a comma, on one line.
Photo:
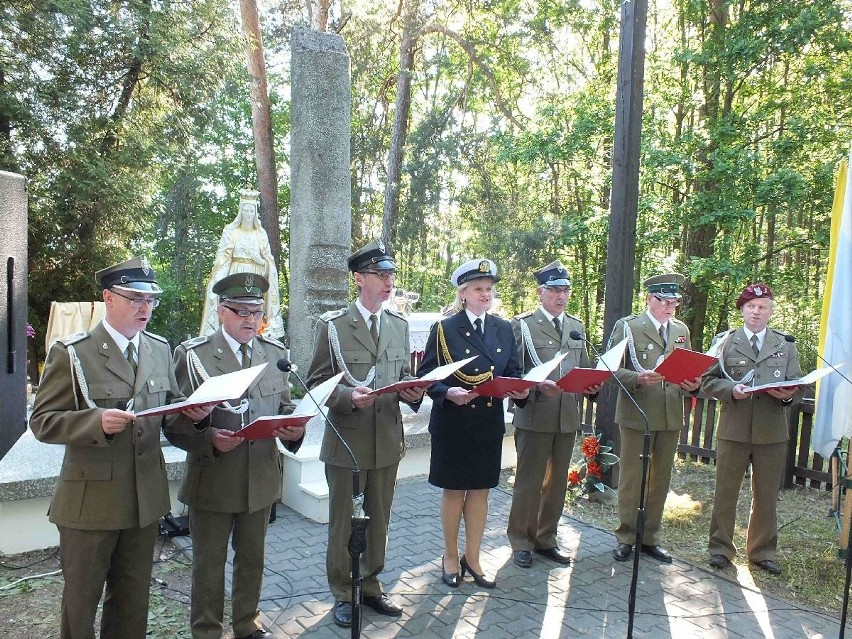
{"points": [[483, 418]]}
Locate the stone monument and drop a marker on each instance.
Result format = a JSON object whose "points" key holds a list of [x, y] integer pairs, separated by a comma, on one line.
{"points": [[244, 248], [13, 317], [320, 201]]}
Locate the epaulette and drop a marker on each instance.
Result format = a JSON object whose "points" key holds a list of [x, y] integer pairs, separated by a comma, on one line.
{"points": [[723, 333], [628, 318], [159, 338], [573, 317], [676, 321], [524, 315], [395, 313], [195, 341], [272, 340], [330, 315], [73, 339], [496, 315]]}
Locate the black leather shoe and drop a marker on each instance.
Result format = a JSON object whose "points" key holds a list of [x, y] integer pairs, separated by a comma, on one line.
{"points": [[769, 566], [383, 605], [657, 552], [522, 558], [720, 561], [343, 614], [479, 579], [622, 552], [451, 579], [555, 554], [257, 634]]}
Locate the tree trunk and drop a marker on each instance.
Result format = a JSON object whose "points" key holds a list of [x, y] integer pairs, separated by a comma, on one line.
{"points": [[261, 116], [396, 153], [700, 238]]}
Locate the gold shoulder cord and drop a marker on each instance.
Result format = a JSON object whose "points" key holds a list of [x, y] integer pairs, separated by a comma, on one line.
{"points": [[444, 350]]}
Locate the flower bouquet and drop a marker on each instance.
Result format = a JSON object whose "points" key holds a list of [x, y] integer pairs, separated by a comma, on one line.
{"points": [[597, 458]]}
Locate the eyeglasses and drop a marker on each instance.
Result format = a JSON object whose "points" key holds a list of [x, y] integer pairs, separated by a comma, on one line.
{"points": [[139, 302], [382, 275], [668, 303], [242, 312], [558, 289]]}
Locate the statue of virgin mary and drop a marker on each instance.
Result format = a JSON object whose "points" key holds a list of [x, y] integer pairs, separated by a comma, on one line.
{"points": [[244, 248]]}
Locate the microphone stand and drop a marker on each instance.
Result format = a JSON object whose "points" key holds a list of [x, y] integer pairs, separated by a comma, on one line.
{"points": [[640, 513], [848, 558], [358, 537]]}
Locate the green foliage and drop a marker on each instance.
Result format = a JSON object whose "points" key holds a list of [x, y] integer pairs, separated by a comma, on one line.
{"points": [[134, 127]]}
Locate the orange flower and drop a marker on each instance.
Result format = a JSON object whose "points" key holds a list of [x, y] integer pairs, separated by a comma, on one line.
{"points": [[573, 477], [590, 447], [594, 469]]}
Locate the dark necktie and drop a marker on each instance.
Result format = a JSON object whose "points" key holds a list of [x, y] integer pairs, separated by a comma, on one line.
{"points": [[663, 335], [754, 345], [131, 356], [477, 323], [245, 358], [374, 328], [558, 326]]}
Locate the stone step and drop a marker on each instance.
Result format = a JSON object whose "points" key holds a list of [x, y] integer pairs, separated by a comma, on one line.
{"points": [[305, 489], [28, 474]]}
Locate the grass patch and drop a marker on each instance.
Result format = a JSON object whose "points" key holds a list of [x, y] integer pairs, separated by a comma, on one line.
{"points": [[808, 540]]}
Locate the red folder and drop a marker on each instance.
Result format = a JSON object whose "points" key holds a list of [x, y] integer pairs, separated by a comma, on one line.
{"points": [[578, 380], [262, 427], [684, 365], [501, 386], [409, 383]]}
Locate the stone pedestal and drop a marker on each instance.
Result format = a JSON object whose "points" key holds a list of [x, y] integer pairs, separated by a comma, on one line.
{"points": [[13, 317], [320, 200]]}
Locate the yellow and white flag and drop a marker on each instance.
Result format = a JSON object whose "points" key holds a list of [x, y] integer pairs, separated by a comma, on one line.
{"points": [[833, 419]]}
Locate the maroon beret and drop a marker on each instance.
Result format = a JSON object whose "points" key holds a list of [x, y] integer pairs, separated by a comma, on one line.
{"points": [[754, 291]]}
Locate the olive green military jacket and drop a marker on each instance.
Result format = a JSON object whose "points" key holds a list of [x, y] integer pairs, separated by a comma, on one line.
{"points": [[759, 418], [543, 413], [662, 403], [107, 482], [248, 477], [375, 434]]}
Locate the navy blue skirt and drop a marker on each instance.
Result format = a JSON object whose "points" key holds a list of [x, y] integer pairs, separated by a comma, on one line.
{"points": [[458, 465]]}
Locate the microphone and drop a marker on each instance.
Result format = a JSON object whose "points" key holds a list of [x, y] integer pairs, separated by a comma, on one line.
{"points": [[286, 366], [640, 511]]}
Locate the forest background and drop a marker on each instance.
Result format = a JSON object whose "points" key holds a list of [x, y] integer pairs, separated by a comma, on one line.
{"points": [[132, 121]]}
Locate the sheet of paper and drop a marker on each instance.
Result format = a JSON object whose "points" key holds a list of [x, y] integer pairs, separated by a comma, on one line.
{"points": [[221, 388], [435, 375], [539, 373], [321, 394], [810, 378], [611, 360]]}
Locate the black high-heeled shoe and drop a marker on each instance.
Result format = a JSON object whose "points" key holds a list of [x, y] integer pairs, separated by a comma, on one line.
{"points": [[451, 579], [479, 579]]}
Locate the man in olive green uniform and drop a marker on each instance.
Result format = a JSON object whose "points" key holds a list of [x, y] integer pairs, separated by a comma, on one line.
{"points": [[651, 335], [370, 345], [230, 483], [752, 428], [112, 488], [546, 426]]}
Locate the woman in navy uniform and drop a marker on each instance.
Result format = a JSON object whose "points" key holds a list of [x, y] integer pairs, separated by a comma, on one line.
{"points": [[467, 429]]}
